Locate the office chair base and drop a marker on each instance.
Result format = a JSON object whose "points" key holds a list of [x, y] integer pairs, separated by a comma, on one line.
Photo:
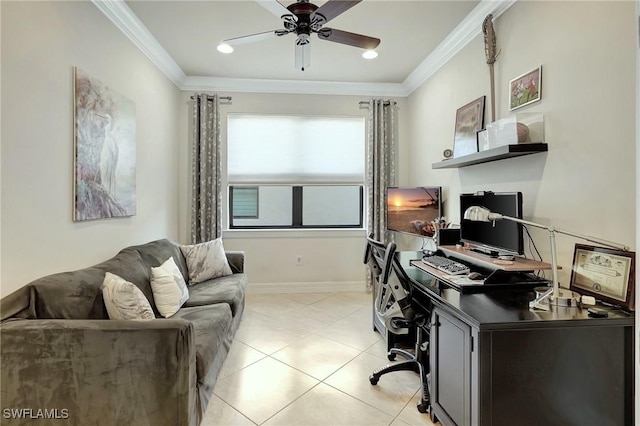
{"points": [[411, 364]]}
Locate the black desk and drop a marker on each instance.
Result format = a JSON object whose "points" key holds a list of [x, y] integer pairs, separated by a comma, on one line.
{"points": [[496, 362]]}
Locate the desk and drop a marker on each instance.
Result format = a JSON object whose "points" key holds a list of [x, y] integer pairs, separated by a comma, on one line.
{"points": [[496, 362]]}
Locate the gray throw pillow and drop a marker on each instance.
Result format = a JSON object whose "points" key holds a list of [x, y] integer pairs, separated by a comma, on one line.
{"points": [[206, 261]]}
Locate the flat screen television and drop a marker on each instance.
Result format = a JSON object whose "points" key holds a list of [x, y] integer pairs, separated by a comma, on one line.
{"points": [[412, 209], [501, 237]]}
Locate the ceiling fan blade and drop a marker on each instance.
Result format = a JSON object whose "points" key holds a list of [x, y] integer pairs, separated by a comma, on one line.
{"points": [[333, 8], [252, 37], [303, 55], [345, 37], [274, 7]]}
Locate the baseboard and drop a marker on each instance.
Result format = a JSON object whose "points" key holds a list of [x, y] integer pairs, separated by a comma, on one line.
{"points": [[307, 287]]}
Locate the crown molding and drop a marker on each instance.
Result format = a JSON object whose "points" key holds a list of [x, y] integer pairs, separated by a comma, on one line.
{"points": [[126, 21], [468, 29], [471, 26], [292, 86]]}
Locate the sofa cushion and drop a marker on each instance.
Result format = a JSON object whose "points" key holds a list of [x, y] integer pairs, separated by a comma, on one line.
{"points": [[206, 260], [155, 253], [229, 289], [169, 288], [124, 301], [211, 324]]}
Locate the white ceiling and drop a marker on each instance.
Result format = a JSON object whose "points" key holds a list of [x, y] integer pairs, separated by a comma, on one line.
{"points": [[181, 36]]}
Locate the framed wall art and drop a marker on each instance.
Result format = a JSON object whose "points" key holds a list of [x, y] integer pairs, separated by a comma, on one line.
{"points": [[525, 89], [104, 151], [604, 273], [469, 120]]}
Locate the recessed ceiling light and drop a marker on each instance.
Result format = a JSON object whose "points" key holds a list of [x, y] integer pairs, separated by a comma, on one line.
{"points": [[225, 48], [370, 54]]}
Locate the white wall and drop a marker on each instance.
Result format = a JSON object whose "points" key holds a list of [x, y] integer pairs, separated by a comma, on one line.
{"points": [[586, 182], [332, 259], [41, 42]]}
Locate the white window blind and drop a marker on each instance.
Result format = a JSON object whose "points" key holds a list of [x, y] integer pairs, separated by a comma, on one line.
{"points": [[272, 149]]}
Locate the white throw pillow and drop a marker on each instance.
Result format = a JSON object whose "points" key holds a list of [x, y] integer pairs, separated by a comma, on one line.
{"points": [[169, 289], [124, 300], [206, 261]]}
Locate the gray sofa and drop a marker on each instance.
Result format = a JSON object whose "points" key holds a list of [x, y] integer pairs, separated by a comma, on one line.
{"points": [[61, 353]]}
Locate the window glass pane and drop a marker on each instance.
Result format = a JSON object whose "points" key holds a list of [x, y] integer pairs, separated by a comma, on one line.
{"points": [[245, 202], [274, 205], [331, 206], [295, 149]]}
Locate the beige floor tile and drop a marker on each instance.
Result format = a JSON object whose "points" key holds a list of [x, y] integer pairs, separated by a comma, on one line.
{"points": [[353, 331], [392, 392], [263, 388], [379, 349], [219, 413], [316, 355], [267, 334], [411, 416], [398, 422], [324, 405], [239, 356], [274, 304], [307, 298]]}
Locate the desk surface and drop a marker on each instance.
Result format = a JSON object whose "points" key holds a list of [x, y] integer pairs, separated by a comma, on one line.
{"points": [[502, 308]]}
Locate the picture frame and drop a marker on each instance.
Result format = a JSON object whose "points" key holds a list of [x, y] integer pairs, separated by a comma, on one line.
{"points": [[525, 89], [469, 120], [604, 273]]}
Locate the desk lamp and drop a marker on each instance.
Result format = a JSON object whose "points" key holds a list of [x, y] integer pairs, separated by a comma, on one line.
{"points": [[556, 296]]}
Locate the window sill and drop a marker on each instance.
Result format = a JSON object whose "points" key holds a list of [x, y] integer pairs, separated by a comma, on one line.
{"points": [[294, 233]]}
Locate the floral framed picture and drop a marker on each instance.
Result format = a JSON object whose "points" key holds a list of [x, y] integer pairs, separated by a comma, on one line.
{"points": [[469, 120], [525, 89], [604, 273]]}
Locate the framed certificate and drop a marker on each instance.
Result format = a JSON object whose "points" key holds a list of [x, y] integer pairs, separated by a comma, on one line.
{"points": [[604, 273]]}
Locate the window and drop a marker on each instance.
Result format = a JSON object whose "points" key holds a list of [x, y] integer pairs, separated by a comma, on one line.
{"points": [[295, 171]]}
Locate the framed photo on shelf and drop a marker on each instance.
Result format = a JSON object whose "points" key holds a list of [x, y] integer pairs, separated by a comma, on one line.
{"points": [[469, 120], [604, 273], [525, 89]]}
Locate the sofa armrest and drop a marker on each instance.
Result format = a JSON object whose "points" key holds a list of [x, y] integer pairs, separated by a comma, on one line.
{"points": [[100, 371], [236, 261]]}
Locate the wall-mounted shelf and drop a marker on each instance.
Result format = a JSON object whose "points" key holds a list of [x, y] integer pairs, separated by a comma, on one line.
{"points": [[493, 154]]}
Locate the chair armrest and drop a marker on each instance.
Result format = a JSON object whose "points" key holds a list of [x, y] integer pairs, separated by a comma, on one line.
{"points": [[101, 371], [236, 261]]}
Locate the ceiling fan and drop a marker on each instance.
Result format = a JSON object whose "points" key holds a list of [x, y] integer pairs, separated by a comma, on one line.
{"points": [[304, 18]]}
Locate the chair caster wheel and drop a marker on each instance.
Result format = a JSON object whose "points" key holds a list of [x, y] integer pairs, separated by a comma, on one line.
{"points": [[391, 357], [373, 380], [423, 408]]}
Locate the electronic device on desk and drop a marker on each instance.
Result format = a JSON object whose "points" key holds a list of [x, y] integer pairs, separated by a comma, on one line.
{"points": [[446, 265], [499, 238], [412, 209]]}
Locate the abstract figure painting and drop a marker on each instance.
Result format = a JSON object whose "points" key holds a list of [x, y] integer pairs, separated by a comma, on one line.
{"points": [[105, 151]]}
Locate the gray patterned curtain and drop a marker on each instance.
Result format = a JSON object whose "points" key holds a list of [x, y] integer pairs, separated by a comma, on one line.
{"points": [[206, 221], [381, 163], [381, 166]]}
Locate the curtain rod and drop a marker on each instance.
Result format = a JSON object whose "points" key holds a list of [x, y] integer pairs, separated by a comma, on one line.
{"points": [[225, 98], [367, 103]]}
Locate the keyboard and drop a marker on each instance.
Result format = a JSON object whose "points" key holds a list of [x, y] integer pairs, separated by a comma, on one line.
{"points": [[446, 265]]}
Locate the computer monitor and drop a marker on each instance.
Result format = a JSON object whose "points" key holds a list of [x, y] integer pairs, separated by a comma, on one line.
{"points": [[412, 209], [502, 237]]}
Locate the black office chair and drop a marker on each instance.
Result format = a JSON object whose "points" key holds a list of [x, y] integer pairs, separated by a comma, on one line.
{"points": [[393, 302]]}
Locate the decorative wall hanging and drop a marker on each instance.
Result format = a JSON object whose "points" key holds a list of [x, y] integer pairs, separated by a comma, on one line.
{"points": [[491, 54], [469, 119], [104, 151], [525, 89]]}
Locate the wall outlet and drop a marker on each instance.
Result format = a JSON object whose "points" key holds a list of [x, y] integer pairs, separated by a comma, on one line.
{"points": [[298, 260]]}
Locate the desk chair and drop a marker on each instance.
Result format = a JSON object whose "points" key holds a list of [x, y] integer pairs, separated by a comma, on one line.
{"points": [[394, 303]]}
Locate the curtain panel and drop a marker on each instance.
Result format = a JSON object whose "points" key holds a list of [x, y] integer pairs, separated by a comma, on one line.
{"points": [[381, 163], [206, 220]]}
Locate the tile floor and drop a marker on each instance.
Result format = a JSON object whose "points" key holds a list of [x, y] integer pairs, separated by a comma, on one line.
{"points": [[305, 359]]}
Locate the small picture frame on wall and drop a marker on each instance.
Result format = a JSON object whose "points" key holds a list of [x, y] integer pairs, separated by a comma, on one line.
{"points": [[525, 89], [469, 120], [604, 273]]}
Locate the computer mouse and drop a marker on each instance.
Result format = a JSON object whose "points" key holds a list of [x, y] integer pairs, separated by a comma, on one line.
{"points": [[475, 276]]}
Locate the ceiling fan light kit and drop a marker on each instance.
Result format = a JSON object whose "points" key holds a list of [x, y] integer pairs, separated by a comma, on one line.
{"points": [[303, 19]]}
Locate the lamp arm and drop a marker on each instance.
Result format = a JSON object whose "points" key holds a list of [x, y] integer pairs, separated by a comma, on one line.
{"points": [[497, 216]]}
